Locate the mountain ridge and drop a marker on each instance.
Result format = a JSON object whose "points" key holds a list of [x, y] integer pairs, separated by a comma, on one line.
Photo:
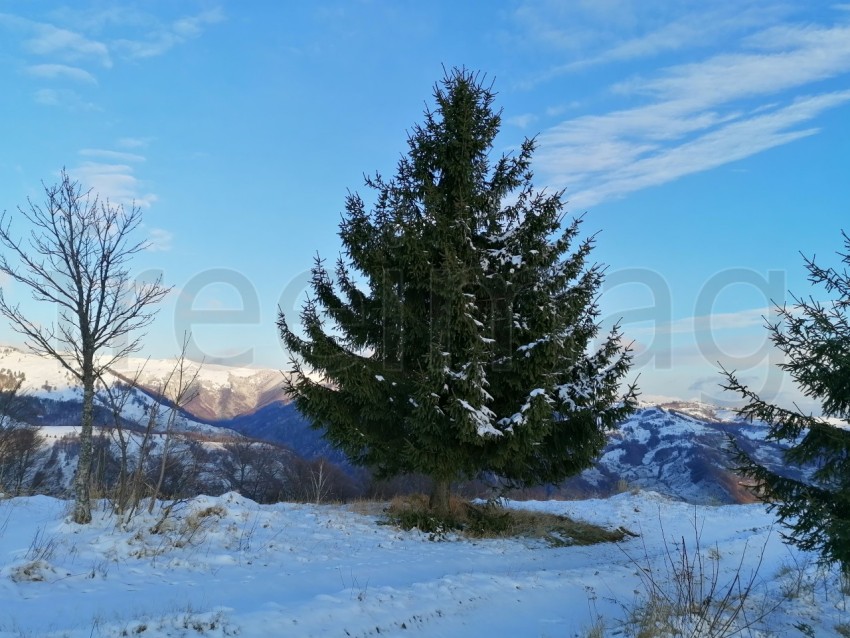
{"points": [[678, 448]]}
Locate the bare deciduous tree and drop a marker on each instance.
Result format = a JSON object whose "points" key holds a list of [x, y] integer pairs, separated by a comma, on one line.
{"points": [[76, 257]]}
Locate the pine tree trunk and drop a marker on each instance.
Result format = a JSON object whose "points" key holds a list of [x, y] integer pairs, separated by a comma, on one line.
{"points": [[441, 490], [82, 497]]}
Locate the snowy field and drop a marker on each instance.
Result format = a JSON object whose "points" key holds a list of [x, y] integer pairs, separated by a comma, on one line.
{"points": [[229, 567]]}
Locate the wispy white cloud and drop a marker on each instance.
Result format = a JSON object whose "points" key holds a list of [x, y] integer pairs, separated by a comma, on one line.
{"points": [[49, 40], [743, 319], [735, 141], [74, 39], [114, 181], [166, 37], [522, 121], [193, 26], [590, 34], [160, 240], [102, 18], [798, 56], [560, 109], [47, 97], [740, 325], [116, 156], [61, 71], [700, 115], [132, 142], [63, 98]]}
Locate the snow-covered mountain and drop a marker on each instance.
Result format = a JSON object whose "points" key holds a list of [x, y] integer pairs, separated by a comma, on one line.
{"points": [[52, 392], [249, 401], [200, 456], [677, 448], [681, 449], [220, 392]]}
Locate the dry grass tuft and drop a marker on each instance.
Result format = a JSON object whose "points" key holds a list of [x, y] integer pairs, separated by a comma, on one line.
{"points": [[368, 507], [493, 521]]}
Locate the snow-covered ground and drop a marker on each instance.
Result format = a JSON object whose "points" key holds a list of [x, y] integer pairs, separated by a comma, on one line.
{"points": [[226, 566]]}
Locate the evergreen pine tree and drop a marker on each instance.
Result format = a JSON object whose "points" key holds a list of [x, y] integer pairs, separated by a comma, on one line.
{"points": [[455, 339], [815, 339]]}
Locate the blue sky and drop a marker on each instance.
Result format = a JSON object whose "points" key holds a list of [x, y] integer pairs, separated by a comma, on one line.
{"points": [[706, 142]]}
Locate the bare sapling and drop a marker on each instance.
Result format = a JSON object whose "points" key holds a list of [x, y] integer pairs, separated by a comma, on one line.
{"points": [[179, 388]]}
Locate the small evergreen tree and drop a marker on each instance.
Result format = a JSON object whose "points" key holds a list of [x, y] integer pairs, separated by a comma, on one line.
{"points": [[466, 350], [815, 339]]}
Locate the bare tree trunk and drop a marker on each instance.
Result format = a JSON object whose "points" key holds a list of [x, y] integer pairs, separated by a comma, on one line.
{"points": [[319, 482], [441, 491], [82, 496]]}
